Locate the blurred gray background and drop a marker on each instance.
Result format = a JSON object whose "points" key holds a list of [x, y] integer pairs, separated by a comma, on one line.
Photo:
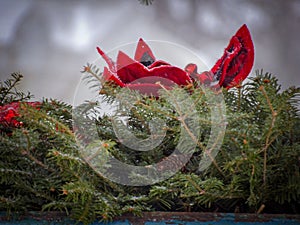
{"points": [[49, 41]]}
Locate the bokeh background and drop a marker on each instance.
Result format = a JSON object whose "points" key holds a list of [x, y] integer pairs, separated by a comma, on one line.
{"points": [[49, 41]]}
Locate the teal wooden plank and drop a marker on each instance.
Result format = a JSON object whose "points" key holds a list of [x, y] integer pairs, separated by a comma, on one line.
{"points": [[161, 219], [224, 221]]}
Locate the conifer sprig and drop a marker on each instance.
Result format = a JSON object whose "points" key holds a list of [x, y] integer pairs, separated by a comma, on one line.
{"points": [[10, 93]]}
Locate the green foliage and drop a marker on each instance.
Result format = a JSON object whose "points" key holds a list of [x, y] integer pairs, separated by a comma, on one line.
{"points": [[42, 166], [9, 92], [259, 158]]}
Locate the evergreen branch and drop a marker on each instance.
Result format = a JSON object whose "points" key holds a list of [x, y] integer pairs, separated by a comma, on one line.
{"points": [[267, 143], [12, 171], [262, 89], [181, 118], [10, 84], [89, 69], [8, 91], [85, 211], [168, 115], [37, 193], [258, 160], [195, 185], [57, 205], [38, 162], [30, 156], [66, 167], [39, 116], [199, 97], [252, 186], [213, 160]]}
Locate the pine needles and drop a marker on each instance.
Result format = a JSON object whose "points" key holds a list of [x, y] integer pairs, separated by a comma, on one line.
{"points": [[9, 91], [256, 170]]}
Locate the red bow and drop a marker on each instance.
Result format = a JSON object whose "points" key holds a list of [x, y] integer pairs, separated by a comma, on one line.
{"points": [[147, 75]]}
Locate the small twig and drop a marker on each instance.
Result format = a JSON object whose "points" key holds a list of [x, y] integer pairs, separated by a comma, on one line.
{"points": [[261, 208], [262, 89], [11, 86], [195, 185], [208, 152], [37, 193], [38, 162], [268, 142], [88, 69], [30, 156], [181, 118]]}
